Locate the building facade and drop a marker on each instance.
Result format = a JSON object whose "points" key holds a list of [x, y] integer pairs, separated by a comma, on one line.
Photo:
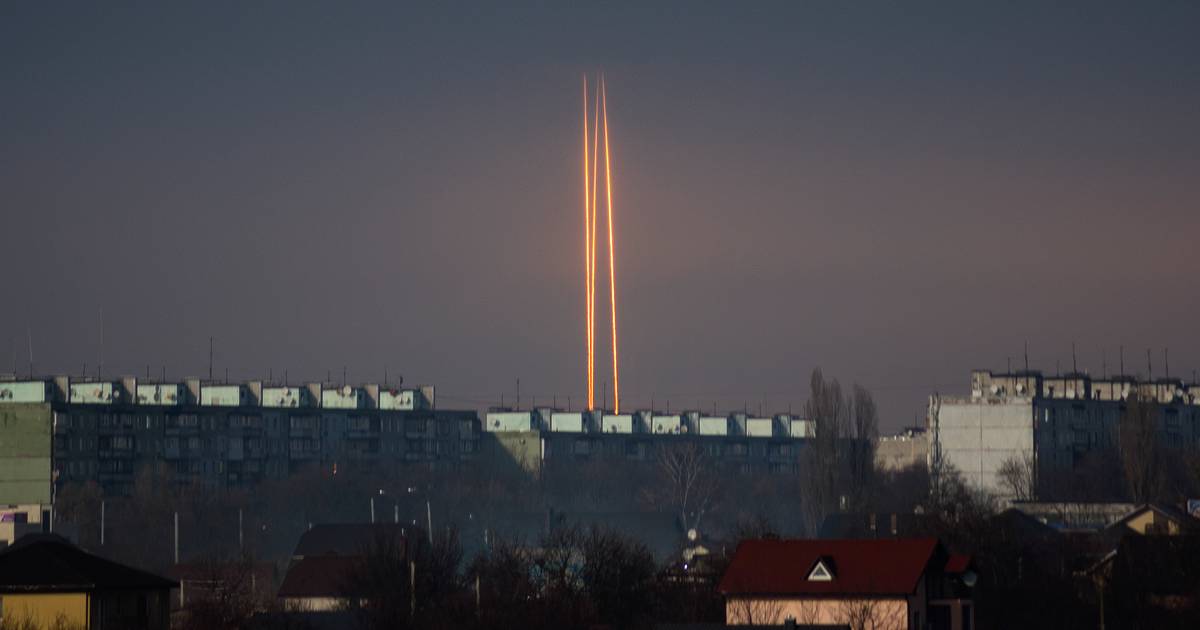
{"points": [[61, 430], [747, 444], [1050, 423]]}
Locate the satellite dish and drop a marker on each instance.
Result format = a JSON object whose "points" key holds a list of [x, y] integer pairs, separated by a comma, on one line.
{"points": [[969, 578]]}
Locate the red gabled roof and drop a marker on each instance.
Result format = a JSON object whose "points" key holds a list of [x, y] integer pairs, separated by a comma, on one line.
{"points": [[318, 576], [958, 563], [860, 567]]}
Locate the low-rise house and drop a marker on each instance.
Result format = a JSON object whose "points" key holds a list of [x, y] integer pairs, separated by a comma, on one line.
{"points": [[326, 557], [1156, 519], [317, 583], [47, 581], [884, 583]]}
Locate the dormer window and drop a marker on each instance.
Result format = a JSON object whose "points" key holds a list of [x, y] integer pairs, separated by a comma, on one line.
{"points": [[822, 571]]}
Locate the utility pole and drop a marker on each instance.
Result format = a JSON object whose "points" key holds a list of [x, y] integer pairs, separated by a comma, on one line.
{"points": [[412, 589]]}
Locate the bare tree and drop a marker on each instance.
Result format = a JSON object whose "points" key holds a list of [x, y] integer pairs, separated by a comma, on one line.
{"points": [[827, 409], [1017, 477], [862, 445], [754, 610], [691, 483], [870, 614], [228, 595], [1138, 439]]}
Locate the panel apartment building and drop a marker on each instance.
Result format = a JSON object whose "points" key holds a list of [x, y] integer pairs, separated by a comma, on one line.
{"points": [[748, 444], [59, 430], [1052, 421]]}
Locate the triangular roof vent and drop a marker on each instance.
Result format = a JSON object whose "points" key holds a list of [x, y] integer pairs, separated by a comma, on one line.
{"points": [[822, 571]]}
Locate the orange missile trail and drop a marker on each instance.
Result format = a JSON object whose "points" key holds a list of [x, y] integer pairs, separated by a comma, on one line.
{"points": [[587, 250], [592, 254], [612, 269]]}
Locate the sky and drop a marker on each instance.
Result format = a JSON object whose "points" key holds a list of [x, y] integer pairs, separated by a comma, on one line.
{"points": [[896, 193]]}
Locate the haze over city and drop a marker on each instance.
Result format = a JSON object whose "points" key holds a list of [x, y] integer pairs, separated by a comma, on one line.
{"points": [[896, 193]]}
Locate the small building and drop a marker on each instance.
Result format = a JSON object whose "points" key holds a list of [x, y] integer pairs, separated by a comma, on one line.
{"points": [[45, 579], [317, 583], [326, 556], [890, 583], [1155, 519]]}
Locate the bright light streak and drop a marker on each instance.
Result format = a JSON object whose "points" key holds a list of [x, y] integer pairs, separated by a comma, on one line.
{"points": [[587, 248], [592, 249], [612, 269]]}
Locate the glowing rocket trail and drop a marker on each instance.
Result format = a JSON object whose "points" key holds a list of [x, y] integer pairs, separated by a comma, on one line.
{"points": [[587, 248], [612, 270], [592, 247], [591, 212]]}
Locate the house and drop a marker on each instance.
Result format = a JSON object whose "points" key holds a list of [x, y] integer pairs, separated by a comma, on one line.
{"points": [[327, 555], [317, 583], [1156, 519], [891, 582], [46, 580]]}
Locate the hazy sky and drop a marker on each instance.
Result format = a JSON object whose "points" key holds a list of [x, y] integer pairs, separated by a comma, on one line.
{"points": [[896, 192]]}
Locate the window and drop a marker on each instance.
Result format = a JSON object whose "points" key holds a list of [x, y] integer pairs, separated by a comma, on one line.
{"points": [[821, 571]]}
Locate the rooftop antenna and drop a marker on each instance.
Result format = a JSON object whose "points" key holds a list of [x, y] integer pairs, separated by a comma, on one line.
{"points": [[1149, 366], [1122, 350], [100, 367], [164, 374], [1166, 363], [1026, 355], [343, 376], [29, 336], [1008, 361], [518, 393], [1103, 363], [385, 380], [147, 371], [1074, 364], [210, 357]]}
